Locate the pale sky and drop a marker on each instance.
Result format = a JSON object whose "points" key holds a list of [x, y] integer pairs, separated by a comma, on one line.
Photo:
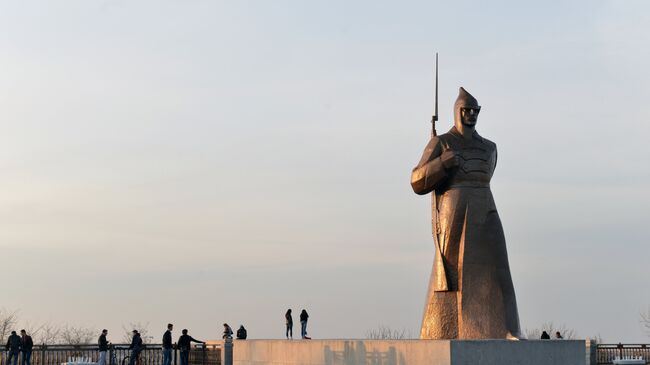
{"points": [[201, 162]]}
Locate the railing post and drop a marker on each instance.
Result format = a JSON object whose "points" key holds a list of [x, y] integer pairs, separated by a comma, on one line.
{"points": [[175, 352], [43, 347], [592, 352], [203, 354], [227, 351]]}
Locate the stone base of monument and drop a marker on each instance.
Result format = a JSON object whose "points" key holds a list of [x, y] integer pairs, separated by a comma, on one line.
{"points": [[409, 352]]}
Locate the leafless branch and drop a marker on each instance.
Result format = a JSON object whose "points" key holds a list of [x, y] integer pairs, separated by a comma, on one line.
{"points": [[72, 335], [142, 328], [386, 333], [48, 333], [645, 321], [8, 321]]}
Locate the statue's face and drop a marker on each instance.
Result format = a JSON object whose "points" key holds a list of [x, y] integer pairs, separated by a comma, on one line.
{"points": [[469, 116]]}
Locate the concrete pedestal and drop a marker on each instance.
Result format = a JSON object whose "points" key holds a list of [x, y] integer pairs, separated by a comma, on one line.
{"points": [[409, 352]]}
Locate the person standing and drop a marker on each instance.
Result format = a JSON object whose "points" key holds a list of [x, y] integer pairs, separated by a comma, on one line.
{"points": [[184, 345], [135, 347], [303, 324], [102, 342], [26, 345], [167, 345], [289, 323], [13, 348]]}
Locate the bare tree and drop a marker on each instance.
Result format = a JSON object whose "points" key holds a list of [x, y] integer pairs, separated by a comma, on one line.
{"points": [[8, 320], [386, 333], [141, 327], [550, 328], [44, 333], [32, 329], [72, 335], [48, 333], [645, 321], [597, 338]]}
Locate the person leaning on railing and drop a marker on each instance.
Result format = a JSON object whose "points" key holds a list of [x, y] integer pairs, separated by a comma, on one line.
{"points": [[26, 345], [13, 347], [184, 344]]}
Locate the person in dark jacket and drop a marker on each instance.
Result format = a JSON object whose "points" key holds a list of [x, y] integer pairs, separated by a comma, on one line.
{"points": [[184, 345], [303, 324], [102, 343], [289, 323], [13, 348], [227, 331], [242, 333], [26, 345], [545, 336], [135, 347], [167, 346]]}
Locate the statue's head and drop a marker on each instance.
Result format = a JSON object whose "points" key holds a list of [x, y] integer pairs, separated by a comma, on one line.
{"points": [[466, 110]]}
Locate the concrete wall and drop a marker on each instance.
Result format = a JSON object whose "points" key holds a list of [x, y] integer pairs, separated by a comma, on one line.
{"points": [[408, 352], [340, 352], [518, 352]]}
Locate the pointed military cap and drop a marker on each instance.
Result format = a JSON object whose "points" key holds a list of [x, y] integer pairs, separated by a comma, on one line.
{"points": [[465, 100]]}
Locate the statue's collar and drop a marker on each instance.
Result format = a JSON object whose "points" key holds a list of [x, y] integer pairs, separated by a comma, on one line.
{"points": [[456, 133]]}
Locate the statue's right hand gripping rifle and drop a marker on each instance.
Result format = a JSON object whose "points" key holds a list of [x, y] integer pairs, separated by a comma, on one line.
{"points": [[440, 284]]}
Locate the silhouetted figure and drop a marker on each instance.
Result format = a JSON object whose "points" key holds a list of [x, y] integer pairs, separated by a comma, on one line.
{"points": [[558, 336], [227, 331], [289, 323], [135, 347], [167, 346], [13, 348], [545, 336], [184, 346], [102, 343], [242, 333], [26, 345], [303, 324]]}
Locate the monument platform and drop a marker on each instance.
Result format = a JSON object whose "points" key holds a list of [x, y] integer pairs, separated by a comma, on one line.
{"points": [[409, 352]]}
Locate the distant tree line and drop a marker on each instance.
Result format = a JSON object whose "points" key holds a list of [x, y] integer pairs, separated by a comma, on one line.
{"points": [[54, 334]]}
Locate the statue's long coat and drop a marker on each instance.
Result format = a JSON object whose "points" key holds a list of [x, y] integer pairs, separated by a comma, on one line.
{"points": [[472, 296]]}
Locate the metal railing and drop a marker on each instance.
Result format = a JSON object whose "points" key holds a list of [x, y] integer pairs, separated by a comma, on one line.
{"points": [[211, 354], [117, 355], [606, 353]]}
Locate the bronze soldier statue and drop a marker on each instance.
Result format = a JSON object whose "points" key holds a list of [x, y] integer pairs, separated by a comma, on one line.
{"points": [[470, 295]]}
